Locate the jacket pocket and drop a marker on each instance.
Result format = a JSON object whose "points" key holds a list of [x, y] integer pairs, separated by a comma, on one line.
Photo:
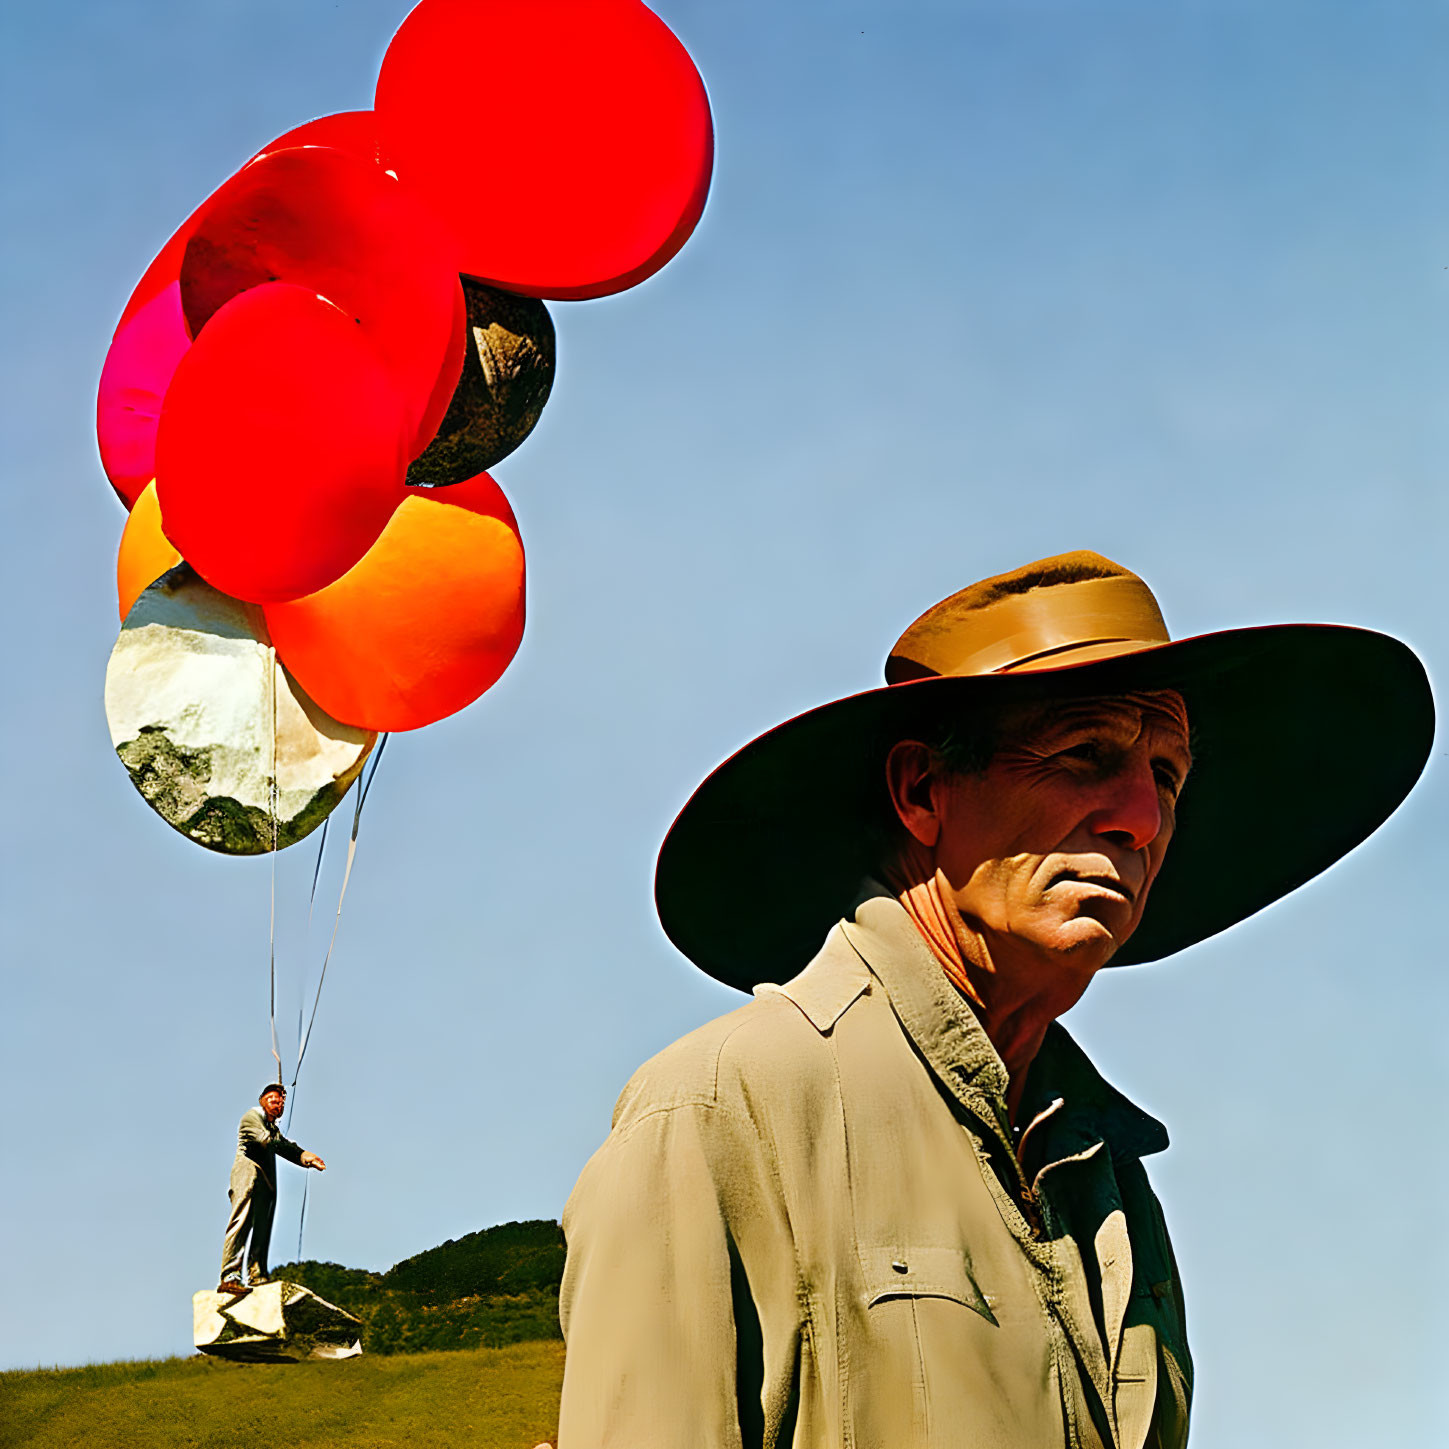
{"points": [[921, 1273]]}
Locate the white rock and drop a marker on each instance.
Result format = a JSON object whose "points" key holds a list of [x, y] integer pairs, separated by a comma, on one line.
{"points": [[192, 689], [279, 1322]]}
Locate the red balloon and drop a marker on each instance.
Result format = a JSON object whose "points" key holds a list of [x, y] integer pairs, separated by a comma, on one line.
{"points": [[567, 143], [446, 383], [352, 131], [138, 370], [282, 447], [350, 232]]}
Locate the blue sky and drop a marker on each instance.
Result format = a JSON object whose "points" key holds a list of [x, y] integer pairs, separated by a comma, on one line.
{"points": [[977, 282]]}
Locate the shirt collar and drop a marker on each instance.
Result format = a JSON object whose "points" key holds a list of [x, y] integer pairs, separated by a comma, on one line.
{"points": [[1071, 1104], [934, 1014]]}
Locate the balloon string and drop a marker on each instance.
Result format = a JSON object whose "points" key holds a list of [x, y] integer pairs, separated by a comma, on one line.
{"points": [[302, 998], [302, 1220], [372, 774], [272, 816], [311, 904], [364, 785], [317, 869]]}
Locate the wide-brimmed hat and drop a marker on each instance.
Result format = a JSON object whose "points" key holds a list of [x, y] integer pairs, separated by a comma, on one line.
{"points": [[1305, 738]]}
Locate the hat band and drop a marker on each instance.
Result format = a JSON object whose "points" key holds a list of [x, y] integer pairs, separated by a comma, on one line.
{"points": [[1091, 614]]}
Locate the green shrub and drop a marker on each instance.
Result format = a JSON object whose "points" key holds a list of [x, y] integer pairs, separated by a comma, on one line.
{"points": [[488, 1289]]}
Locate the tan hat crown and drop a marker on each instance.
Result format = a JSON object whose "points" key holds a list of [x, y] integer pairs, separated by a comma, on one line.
{"points": [[1067, 609]]}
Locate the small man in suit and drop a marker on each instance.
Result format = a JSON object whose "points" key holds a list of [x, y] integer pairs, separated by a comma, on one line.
{"points": [[253, 1190]]}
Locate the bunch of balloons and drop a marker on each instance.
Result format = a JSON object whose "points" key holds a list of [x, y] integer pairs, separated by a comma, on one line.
{"points": [[310, 381]]}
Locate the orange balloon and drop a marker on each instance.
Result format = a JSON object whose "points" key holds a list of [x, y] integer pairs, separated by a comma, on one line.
{"points": [[423, 623], [146, 553]]}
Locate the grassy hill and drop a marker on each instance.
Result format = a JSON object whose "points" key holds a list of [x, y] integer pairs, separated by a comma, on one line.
{"points": [[491, 1398], [485, 1290], [489, 1299]]}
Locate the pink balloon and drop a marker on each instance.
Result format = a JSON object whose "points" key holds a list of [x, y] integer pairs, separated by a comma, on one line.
{"points": [[139, 367]]}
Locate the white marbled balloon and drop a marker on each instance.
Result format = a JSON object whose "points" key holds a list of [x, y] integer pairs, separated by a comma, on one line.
{"points": [[192, 690]]}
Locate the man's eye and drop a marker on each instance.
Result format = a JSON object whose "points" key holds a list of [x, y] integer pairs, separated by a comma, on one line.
{"points": [[1168, 780], [1088, 751]]}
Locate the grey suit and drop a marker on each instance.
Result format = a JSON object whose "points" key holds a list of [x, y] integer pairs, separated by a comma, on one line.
{"points": [[253, 1192]]}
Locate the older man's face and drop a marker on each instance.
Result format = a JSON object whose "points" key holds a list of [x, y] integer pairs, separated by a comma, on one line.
{"points": [[1056, 844], [273, 1103]]}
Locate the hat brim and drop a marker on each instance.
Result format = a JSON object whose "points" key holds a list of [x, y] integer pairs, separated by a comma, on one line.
{"points": [[1305, 739]]}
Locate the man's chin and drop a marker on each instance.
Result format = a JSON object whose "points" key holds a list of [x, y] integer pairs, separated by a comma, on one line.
{"points": [[1086, 936]]}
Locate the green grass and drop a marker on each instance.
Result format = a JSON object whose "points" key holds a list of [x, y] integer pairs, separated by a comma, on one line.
{"points": [[490, 1398]]}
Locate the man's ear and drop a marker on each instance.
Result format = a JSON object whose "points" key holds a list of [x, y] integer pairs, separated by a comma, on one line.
{"points": [[911, 770]]}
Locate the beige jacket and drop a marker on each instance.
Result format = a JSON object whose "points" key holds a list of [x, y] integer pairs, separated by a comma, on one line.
{"points": [[809, 1228]]}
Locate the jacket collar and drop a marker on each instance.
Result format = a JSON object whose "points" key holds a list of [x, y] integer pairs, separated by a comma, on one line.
{"points": [[825, 989], [1076, 1107]]}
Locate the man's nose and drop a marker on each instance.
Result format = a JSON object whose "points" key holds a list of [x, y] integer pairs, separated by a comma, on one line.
{"points": [[1129, 812]]}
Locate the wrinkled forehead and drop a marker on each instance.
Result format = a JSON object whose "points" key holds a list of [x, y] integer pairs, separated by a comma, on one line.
{"points": [[1161, 711]]}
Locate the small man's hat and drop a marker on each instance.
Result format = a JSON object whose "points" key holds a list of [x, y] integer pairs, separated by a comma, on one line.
{"points": [[1305, 738]]}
